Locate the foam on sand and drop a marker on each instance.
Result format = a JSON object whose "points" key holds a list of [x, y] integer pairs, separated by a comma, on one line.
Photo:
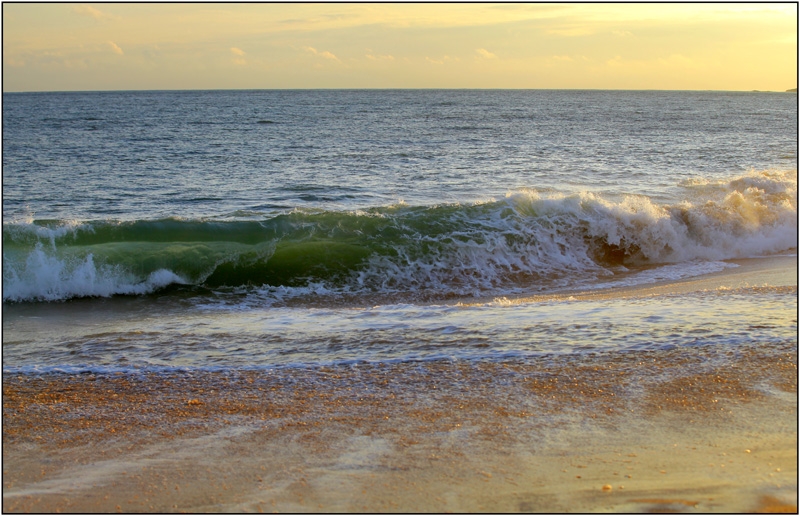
{"points": [[694, 434]]}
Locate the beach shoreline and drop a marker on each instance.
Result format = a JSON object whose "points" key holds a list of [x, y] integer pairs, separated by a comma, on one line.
{"points": [[690, 429], [772, 271]]}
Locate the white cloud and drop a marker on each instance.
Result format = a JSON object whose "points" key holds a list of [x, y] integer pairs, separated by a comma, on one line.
{"points": [[485, 53], [88, 10], [678, 60], [671, 62], [239, 59], [571, 32], [622, 33], [325, 53], [380, 58], [115, 48], [565, 61], [443, 60]]}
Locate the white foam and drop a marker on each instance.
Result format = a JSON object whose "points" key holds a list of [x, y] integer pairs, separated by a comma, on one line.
{"points": [[530, 239], [666, 273], [553, 238], [47, 278]]}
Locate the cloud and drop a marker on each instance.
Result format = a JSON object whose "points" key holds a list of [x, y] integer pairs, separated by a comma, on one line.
{"points": [[678, 60], [671, 62], [380, 58], [152, 52], [567, 60], [622, 33], [571, 32], [239, 59], [443, 60], [13, 61], [325, 54], [570, 59], [115, 48], [485, 53], [88, 10]]}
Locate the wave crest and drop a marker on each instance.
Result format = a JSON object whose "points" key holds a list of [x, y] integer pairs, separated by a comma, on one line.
{"points": [[527, 240]]}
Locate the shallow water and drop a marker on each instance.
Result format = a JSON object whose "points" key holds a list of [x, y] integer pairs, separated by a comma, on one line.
{"points": [[132, 335]]}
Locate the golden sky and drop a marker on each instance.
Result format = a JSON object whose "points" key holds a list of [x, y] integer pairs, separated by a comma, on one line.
{"points": [[115, 46]]}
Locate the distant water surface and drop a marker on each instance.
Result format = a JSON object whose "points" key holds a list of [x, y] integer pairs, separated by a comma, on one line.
{"points": [[255, 154]]}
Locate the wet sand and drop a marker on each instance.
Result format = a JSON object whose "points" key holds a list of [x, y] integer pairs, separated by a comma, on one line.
{"points": [[698, 429]]}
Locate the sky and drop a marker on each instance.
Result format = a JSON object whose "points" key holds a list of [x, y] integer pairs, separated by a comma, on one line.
{"points": [[154, 46]]}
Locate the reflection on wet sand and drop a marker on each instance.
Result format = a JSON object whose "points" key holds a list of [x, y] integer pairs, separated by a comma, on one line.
{"points": [[682, 430]]}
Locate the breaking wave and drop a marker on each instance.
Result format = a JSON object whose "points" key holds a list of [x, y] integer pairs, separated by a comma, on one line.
{"points": [[527, 240]]}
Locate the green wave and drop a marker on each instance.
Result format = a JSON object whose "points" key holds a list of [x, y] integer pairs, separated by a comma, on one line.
{"points": [[527, 238], [286, 250]]}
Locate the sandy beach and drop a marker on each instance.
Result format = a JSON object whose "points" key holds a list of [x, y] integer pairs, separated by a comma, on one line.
{"points": [[685, 430]]}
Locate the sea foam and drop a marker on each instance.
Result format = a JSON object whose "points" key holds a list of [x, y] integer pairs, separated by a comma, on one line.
{"points": [[529, 240]]}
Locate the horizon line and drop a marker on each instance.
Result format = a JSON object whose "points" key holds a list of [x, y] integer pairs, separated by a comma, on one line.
{"points": [[790, 90]]}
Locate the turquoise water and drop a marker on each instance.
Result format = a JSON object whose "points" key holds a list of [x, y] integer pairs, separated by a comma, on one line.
{"points": [[235, 229]]}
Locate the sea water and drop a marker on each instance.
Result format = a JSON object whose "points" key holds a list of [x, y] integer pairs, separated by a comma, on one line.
{"points": [[214, 230]]}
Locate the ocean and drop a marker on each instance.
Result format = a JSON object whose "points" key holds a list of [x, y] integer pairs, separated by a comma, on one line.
{"points": [[164, 231]]}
